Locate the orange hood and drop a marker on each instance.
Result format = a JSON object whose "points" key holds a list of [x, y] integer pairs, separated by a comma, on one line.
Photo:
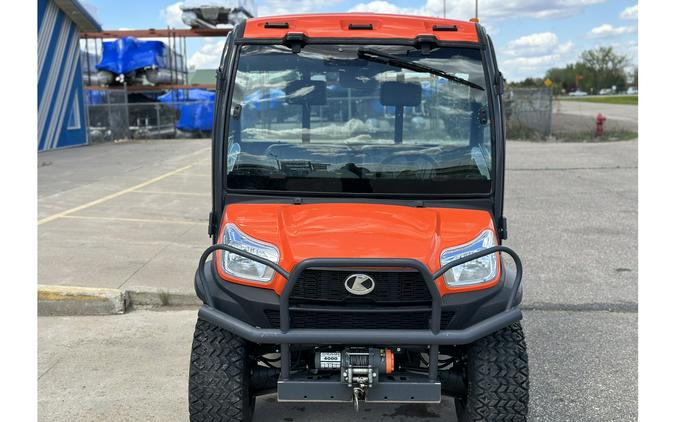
{"points": [[351, 230]]}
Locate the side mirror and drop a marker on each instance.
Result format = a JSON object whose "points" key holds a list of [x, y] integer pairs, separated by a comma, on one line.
{"points": [[400, 94], [499, 83], [306, 92]]}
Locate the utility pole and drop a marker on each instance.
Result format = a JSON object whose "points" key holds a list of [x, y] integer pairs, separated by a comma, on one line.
{"points": [[444, 1], [476, 10]]}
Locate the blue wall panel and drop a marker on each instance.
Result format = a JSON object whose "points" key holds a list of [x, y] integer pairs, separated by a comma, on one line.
{"points": [[61, 110]]}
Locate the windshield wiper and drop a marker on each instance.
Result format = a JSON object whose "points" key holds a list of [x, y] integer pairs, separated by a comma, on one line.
{"points": [[380, 57]]}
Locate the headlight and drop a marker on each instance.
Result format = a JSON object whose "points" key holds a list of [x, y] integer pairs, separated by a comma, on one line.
{"points": [[477, 271], [240, 267]]}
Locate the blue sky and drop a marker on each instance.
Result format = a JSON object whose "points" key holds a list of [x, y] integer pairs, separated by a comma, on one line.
{"points": [[530, 36]]}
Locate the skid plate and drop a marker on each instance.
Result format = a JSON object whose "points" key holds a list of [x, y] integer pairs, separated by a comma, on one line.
{"points": [[400, 389]]}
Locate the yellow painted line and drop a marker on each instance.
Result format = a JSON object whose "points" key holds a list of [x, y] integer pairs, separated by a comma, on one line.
{"points": [[112, 196], [54, 296], [131, 220], [60, 293], [169, 192]]}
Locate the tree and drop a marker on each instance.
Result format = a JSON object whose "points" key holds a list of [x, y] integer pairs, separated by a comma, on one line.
{"points": [[602, 68], [564, 78], [635, 77], [529, 83]]}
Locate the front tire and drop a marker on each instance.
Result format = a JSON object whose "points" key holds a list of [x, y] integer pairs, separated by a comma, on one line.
{"points": [[497, 375], [220, 375]]}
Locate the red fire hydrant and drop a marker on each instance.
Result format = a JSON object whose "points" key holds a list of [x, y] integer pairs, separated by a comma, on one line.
{"points": [[599, 124]]}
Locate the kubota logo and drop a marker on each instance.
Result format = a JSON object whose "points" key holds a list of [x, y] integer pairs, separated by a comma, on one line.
{"points": [[359, 284]]}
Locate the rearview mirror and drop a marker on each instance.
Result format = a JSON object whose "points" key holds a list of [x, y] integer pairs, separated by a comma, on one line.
{"points": [[357, 79], [306, 92], [400, 94]]}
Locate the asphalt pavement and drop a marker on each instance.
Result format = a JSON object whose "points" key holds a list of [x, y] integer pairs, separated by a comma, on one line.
{"points": [[579, 116], [124, 215], [625, 112]]}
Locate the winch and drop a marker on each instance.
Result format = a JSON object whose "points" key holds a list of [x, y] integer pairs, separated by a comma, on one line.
{"points": [[360, 367]]}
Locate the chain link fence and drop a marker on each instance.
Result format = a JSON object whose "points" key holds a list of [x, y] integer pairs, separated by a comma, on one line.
{"points": [[528, 112], [114, 115]]}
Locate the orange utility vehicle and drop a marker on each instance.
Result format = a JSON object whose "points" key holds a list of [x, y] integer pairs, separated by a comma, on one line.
{"points": [[358, 186]]}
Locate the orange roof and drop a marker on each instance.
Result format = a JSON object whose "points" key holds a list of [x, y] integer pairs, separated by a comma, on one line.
{"points": [[383, 27]]}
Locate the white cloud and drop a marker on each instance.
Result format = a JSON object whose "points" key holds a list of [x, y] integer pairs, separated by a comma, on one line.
{"points": [[288, 7], [488, 9], [172, 15], [534, 54], [379, 6], [208, 55], [537, 42], [630, 13], [606, 31]]}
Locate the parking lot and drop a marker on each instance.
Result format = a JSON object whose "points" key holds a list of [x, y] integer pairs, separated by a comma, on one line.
{"points": [[133, 215]]}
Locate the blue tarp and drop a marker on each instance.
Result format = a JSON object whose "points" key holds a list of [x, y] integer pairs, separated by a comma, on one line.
{"points": [[196, 116], [194, 94], [127, 54], [195, 108]]}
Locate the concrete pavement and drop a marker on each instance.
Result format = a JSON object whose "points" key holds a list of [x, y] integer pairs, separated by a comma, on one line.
{"points": [[123, 215], [572, 214], [134, 367]]}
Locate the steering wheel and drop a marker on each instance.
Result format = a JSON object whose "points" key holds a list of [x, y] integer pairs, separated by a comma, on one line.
{"points": [[418, 165]]}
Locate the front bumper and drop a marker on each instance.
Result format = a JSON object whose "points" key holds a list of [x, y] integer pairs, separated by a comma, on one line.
{"points": [[238, 309], [357, 336]]}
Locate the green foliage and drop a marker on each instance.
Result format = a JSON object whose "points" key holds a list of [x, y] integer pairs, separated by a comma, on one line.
{"points": [[635, 77], [597, 69], [608, 136], [603, 68], [610, 99], [564, 78], [529, 83], [521, 132]]}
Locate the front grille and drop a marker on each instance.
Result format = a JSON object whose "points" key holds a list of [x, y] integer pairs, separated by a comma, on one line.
{"points": [[359, 320], [397, 287]]}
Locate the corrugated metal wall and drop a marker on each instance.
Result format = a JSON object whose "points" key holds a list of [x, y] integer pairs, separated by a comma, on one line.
{"points": [[61, 109]]}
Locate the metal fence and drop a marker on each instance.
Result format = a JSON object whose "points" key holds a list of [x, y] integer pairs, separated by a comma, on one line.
{"points": [[115, 115], [528, 110]]}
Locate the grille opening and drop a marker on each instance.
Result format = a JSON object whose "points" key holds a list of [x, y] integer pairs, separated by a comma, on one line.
{"points": [[359, 320], [391, 287]]}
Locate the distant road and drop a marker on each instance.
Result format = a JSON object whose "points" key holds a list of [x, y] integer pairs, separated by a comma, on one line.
{"points": [[626, 113]]}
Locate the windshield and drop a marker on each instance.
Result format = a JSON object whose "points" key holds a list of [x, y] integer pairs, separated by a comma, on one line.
{"points": [[331, 119]]}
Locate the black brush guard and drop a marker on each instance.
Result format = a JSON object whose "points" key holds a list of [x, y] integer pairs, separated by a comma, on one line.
{"points": [[285, 336]]}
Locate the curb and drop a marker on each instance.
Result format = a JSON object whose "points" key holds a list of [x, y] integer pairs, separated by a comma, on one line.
{"points": [[69, 300], [73, 300], [151, 296]]}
